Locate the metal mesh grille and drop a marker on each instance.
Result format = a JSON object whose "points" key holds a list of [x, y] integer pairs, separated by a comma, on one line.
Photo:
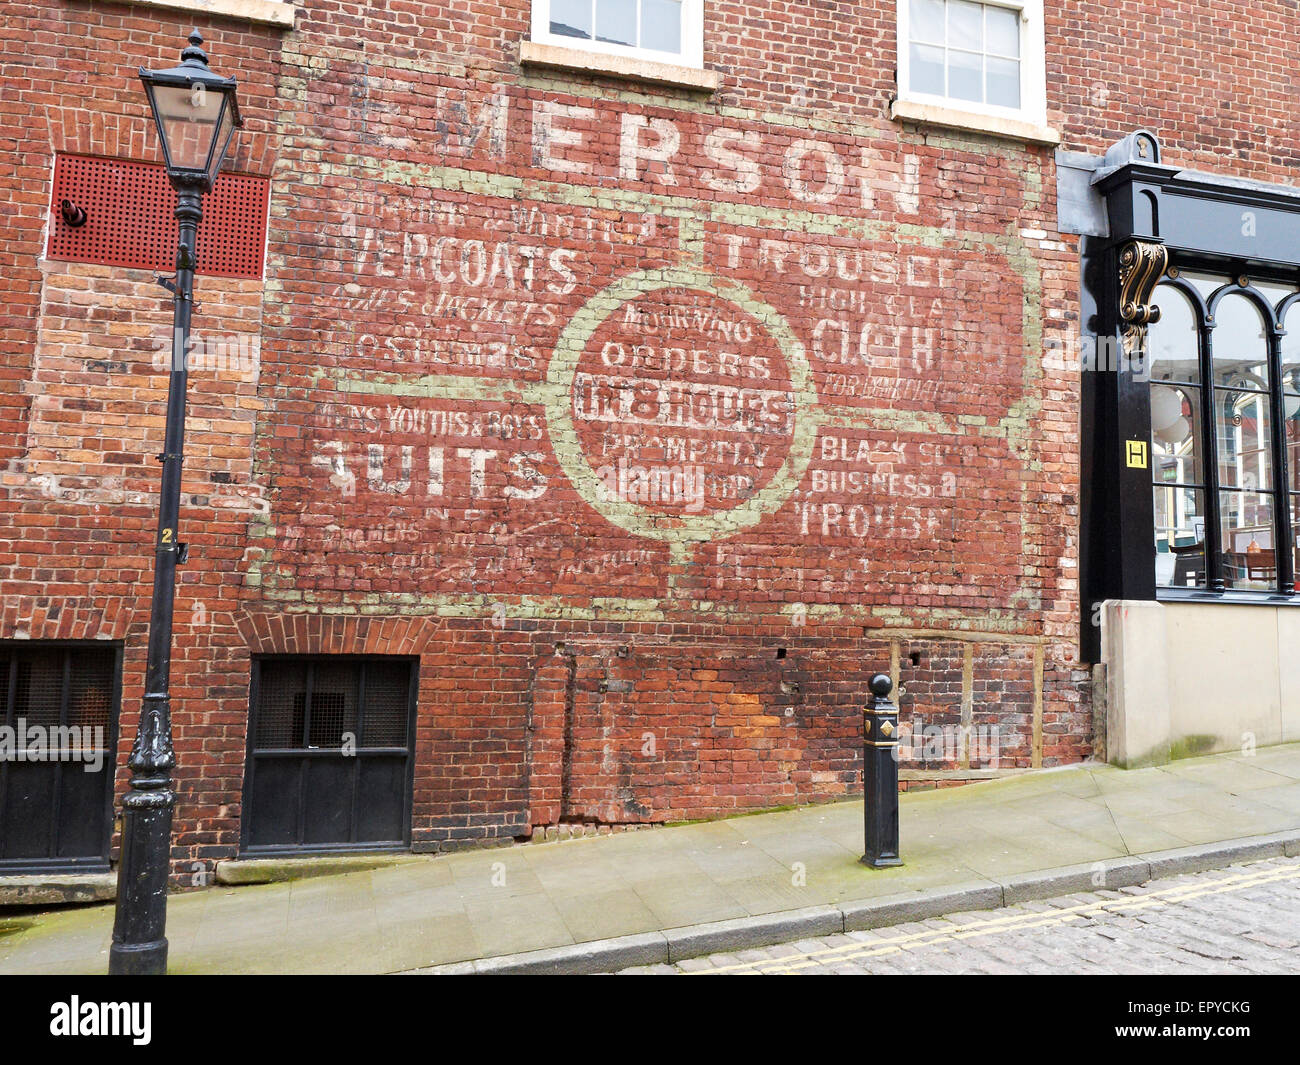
{"points": [[39, 695], [281, 705], [387, 702], [40, 688], [129, 218], [90, 690], [333, 704], [314, 704]]}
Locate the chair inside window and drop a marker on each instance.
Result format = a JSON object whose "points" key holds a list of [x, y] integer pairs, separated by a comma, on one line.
{"points": [[1189, 564], [1189, 552], [1261, 564]]}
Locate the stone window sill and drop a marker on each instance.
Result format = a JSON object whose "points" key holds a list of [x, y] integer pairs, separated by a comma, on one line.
{"points": [[57, 889], [548, 55], [954, 118], [268, 12]]}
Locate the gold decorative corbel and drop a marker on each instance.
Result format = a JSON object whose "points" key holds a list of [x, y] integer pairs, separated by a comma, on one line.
{"points": [[1141, 264]]}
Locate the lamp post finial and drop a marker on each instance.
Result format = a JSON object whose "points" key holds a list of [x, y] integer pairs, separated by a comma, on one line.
{"points": [[195, 53]]}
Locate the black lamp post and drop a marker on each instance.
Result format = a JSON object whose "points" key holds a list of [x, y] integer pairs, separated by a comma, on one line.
{"points": [[196, 115]]}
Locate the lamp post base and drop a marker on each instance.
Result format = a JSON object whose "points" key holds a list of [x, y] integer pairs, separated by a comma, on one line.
{"points": [[139, 946], [880, 863], [138, 959]]}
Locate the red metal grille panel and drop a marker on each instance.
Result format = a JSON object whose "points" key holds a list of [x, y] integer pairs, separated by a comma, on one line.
{"points": [[129, 218]]}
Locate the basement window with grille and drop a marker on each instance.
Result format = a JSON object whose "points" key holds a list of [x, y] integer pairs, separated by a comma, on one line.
{"points": [[58, 731], [330, 754]]}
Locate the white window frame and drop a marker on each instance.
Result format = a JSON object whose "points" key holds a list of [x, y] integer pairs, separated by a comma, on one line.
{"points": [[691, 55], [1033, 75]]}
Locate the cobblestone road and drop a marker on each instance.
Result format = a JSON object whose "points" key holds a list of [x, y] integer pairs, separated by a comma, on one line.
{"points": [[1245, 919]]}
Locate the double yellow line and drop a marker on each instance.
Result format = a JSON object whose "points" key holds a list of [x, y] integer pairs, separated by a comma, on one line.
{"points": [[1014, 923]]}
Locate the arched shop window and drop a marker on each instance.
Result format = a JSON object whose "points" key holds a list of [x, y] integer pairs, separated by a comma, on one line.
{"points": [[1225, 432]]}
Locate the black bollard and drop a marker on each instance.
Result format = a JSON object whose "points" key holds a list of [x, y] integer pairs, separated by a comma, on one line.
{"points": [[880, 776]]}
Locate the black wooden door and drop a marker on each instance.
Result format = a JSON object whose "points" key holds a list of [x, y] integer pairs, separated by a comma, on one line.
{"points": [[58, 734], [330, 754]]}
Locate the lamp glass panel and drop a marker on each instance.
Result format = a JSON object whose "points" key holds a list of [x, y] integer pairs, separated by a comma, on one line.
{"points": [[224, 131], [188, 118]]}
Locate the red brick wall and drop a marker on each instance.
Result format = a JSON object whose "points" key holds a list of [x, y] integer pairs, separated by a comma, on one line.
{"points": [[82, 392], [403, 468], [1216, 82]]}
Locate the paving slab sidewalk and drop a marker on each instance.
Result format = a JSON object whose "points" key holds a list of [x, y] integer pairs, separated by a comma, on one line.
{"points": [[618, 900]]}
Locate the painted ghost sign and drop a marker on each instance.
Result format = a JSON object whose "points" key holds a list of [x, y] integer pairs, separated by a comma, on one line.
{"points": [[568, 373], [710, 407]]}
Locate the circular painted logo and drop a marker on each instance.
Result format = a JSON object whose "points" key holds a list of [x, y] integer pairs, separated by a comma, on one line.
{"points": [[679, 405]]}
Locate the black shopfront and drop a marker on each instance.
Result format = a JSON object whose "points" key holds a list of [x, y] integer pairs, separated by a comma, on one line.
{"points": [[1191, 388]]}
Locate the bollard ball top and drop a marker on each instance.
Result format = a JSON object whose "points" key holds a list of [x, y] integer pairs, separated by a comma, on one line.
{"points": [[881, 685]]}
